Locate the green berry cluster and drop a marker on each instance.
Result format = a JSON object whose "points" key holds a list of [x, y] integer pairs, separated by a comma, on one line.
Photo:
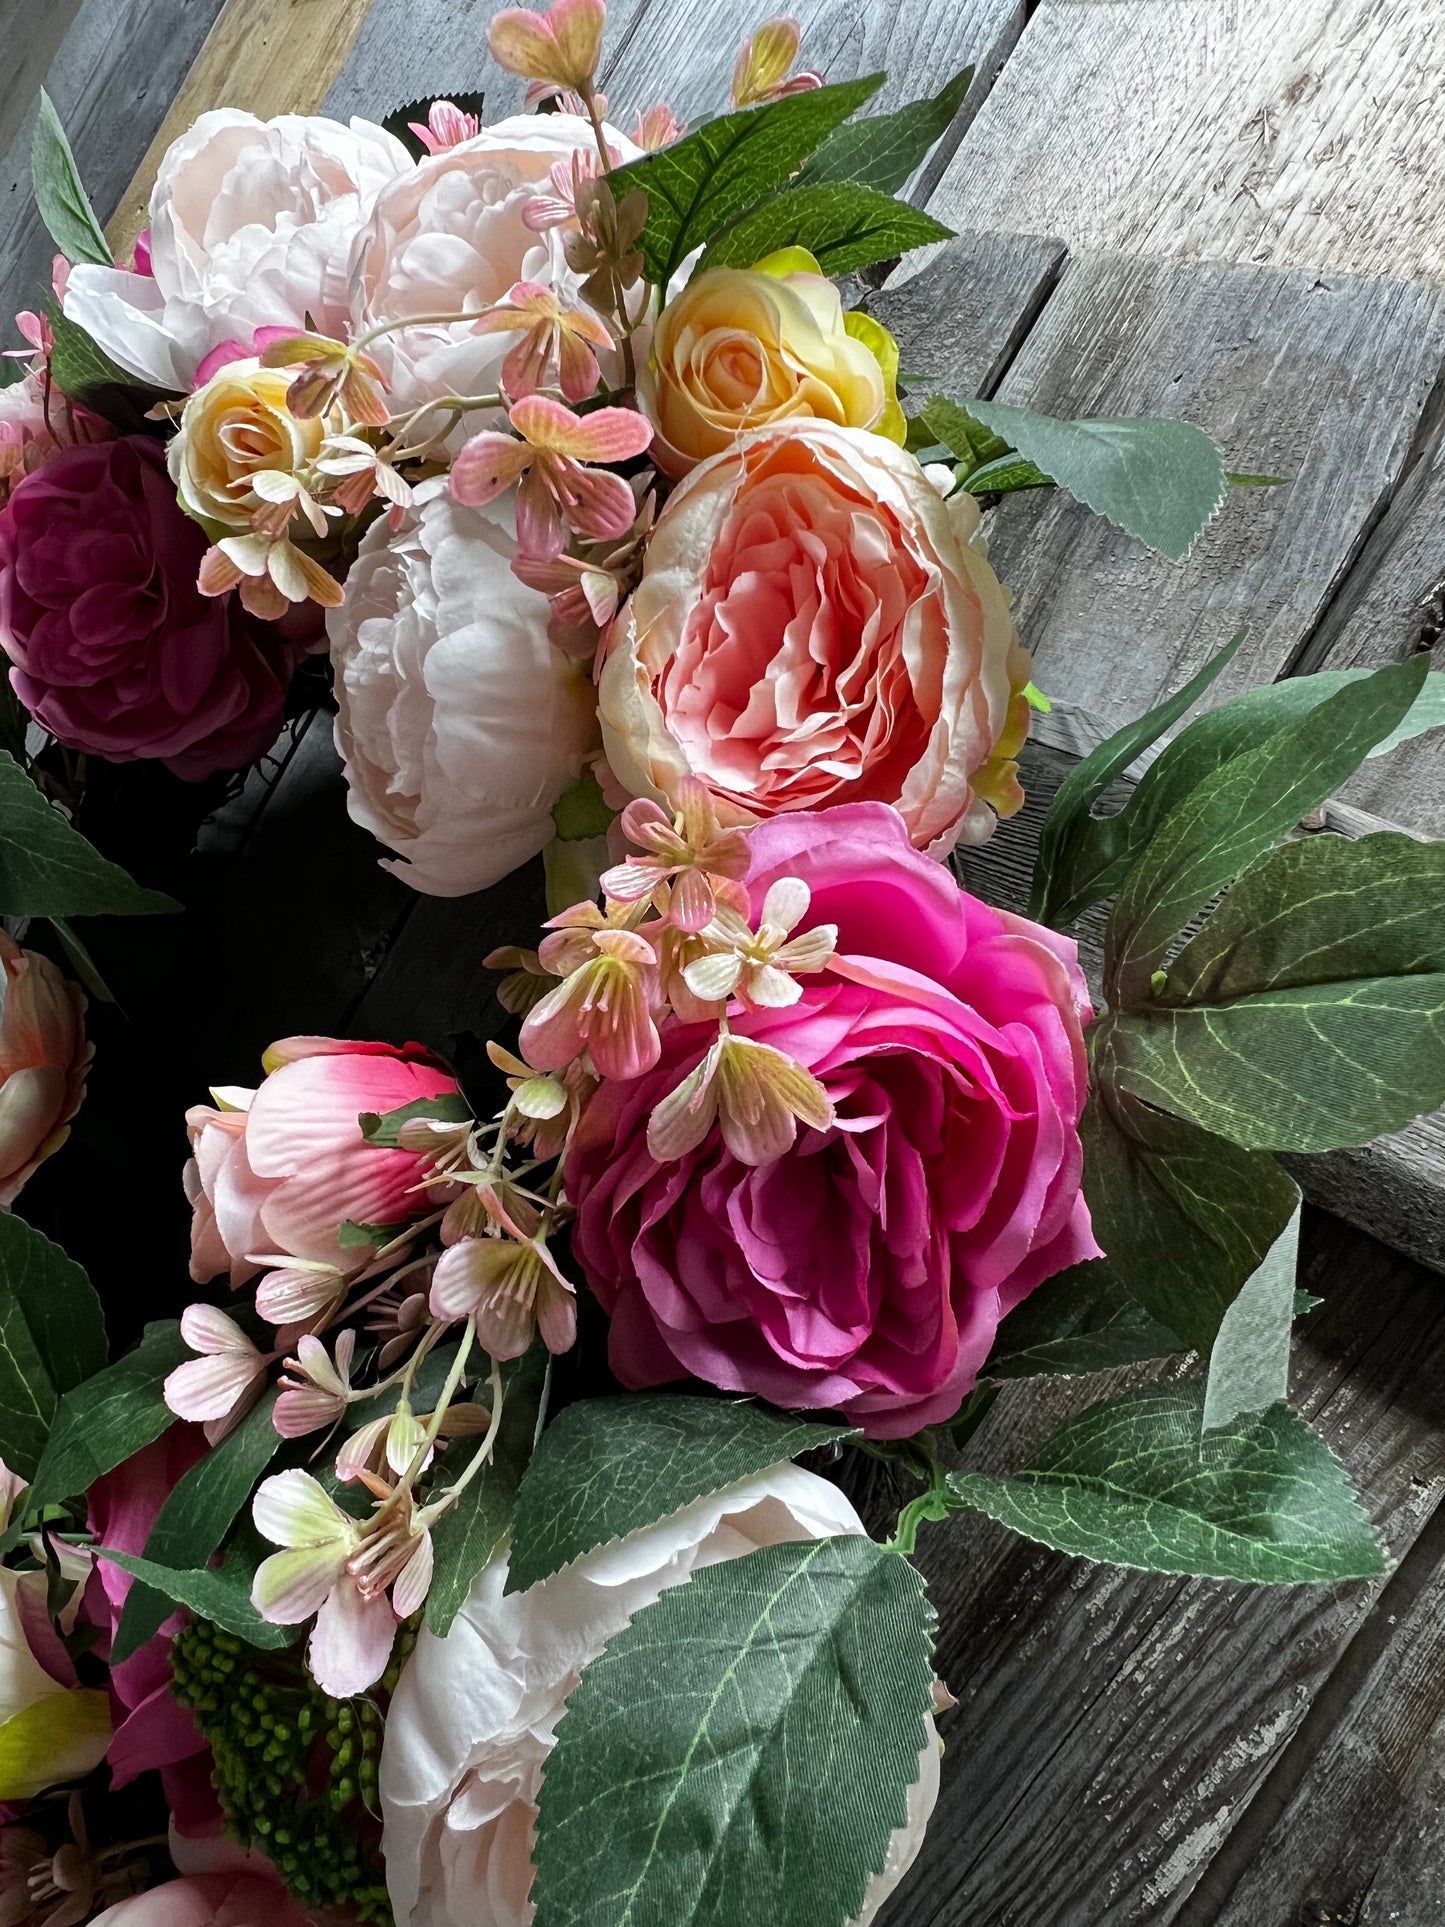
{"points": [[295, 1770]]}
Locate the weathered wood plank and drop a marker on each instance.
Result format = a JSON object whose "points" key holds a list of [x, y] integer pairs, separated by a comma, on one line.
{"points": [[31, 37], [1113, 1726], [1299, 134], [1281, 369], [112, 78]]}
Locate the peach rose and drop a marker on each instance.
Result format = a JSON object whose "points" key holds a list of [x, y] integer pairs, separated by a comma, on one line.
{"points": [[43, 1061], [232, 429], [741, 349], [815, 626]]}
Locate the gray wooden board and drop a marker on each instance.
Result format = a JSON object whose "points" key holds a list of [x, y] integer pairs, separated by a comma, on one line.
{"points": [[112, 79]]}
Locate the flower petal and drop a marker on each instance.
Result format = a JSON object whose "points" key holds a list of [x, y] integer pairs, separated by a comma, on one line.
{"points": [[292, 1509], [352, 1641]]}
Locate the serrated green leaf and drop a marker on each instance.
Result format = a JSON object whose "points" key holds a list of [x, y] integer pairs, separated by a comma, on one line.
{"points": [[606, 1467], [52, 1337], [1134, 1481], [884, 150], [465, 1538], [842, 225], [1184, 1216], [222, 1596], [196, 1517], [104, 1421], [1161, 481], [1081, 1320], [1007, 476], [64, 205], [701, 184], [743, 1750], [398, 123], [1249, 1365], [78, 365], [47, 869], [1238, 811], [383, 1128], [962, 433]]}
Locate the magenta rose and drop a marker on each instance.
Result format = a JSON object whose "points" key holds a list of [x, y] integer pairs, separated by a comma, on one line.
{"points": [[867, 1269], [116, 650]]}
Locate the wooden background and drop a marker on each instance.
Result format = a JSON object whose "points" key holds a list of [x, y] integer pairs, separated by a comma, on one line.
{"points": [[1227, 209]]}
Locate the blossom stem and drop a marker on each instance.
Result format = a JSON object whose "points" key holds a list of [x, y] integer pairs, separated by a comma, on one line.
{"points": [[420, 321], [448, 1393], [589, 101], [480, 1457]]}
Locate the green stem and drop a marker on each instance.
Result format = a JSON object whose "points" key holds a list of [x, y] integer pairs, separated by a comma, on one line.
{"points": [[448, 1393]]}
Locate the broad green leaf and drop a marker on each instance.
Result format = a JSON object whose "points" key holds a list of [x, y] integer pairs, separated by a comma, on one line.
{"points": [[1239, 811], [47, 869], [1159, 480], [701, 184], [383, 1128], [1185, 1217], [1007, 476], [78, 365], [52, 1336], [62, 200], [467, 1536], [955, 428], [196, 1517], [744, 1749], [884, 150], [1249, 1365], [609, 1466], [844, 226], [1082, 1320], [1076, 849], [1134, 1481], [102, 1422], [222, 1596]]}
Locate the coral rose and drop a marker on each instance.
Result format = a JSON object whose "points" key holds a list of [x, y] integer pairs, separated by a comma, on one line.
{"points": [[459, 722], [115, 648], [742, 349], [868, 1267], [279, 1170], [43, 1061], [449, 238], [252, 224], [475, 1716], [816, 626]]}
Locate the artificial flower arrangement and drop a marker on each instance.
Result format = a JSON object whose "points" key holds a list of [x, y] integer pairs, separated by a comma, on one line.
{"points": [[458, 1569]]}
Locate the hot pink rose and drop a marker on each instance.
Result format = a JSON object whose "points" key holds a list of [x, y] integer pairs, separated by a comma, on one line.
{"points": [[115, 648], [280, 1169], [867, 1269], [817, 626], [208, 1900]]}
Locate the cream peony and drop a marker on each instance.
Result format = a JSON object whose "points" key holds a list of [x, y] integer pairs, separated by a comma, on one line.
{"points": [[49, 1732], [475, 1715], [449, 237], [253, 224], [459, 722]]}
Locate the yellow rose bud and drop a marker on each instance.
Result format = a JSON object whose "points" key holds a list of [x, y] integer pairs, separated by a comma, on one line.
{"points": [[745, 348], [234, 429]]}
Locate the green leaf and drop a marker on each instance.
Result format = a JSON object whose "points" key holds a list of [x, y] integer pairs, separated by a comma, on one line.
{"points": [[64, 206], [609, 1466], [47, 869], [1007, 476], [1076, 849], [743, 1750], [196, 1517], [352, 1235], [103, 1422], [1185, 1217], [1161, 481], [383, 1128], [1249, 1365], [1239, 810], [844, 226], [1135, 1482], [52, 1337], [959, 431], [465, 1538], [582, 811], [222, 1596], [883, 151], [78, 365], [1082, 1320], [701, 184]]}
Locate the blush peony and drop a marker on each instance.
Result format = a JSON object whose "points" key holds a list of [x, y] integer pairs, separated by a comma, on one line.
{"points": [[252, 224], [115, 648], [867, 1268], [459, 722], [475, 1716], [208, 1900], [816, 626], [43, 1060]]}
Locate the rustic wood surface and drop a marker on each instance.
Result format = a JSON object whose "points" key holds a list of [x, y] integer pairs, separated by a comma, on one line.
{"points": [[1128, 1749]]}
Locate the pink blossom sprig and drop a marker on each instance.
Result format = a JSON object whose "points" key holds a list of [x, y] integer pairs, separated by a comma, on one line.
{"points": [[552, 457]]}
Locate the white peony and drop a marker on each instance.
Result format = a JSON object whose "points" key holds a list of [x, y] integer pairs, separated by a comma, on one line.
{"points": [[449, 238], [475, 1715], [459, 722], [252, 224]]}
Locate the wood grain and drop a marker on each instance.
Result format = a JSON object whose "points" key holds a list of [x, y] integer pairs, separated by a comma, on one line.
{"points": [[31, 37], [1302, 134], [264, 56]]}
